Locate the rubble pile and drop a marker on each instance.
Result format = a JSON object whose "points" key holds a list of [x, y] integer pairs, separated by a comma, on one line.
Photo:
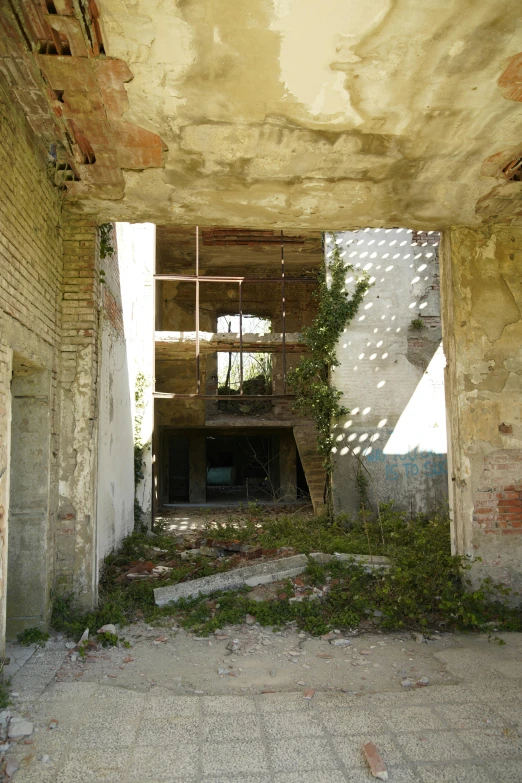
{"points": [[14, 730], [192, 553]]}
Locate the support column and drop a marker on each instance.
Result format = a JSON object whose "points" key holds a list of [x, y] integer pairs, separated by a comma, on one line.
{"points": [[198, 467], [76, 567], [482, 324], [287, 466]]}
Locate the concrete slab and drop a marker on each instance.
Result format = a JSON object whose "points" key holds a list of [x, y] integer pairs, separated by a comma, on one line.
{"points": [[369, 562], [257, 574]]}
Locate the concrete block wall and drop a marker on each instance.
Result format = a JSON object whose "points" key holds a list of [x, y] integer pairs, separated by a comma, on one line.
{"points": [[391, 374]]}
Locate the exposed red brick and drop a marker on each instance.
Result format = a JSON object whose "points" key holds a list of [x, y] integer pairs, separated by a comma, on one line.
{"points": [[510, 83], [498, 506]]}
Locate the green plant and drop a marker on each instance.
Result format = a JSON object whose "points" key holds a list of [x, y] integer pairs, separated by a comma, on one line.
{"points": [[107, 639], [5, 698], [362, 483], [106, 247], [32, 636], [417, 325], [311, 381], [424, 587]]}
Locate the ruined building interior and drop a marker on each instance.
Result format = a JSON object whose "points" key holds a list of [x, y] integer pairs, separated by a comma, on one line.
{"points": [[264, 150], [172, 177], [253, 296]]}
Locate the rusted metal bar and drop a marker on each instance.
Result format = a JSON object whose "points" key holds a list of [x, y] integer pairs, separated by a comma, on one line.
{"points": [[240, 338], [198, 365], [283, 306], [224, 279]]}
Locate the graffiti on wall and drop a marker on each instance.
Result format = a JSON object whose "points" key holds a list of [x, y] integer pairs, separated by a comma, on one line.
{"points": [[414, 464]]}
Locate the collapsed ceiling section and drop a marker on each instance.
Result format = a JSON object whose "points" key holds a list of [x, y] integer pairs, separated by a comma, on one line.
{"points": [[53, 57], [275, 113]]}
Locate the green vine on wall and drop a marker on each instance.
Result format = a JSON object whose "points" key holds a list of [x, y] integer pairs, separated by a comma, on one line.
{"points": [[317, 397], [140, 385], [106, 246]]}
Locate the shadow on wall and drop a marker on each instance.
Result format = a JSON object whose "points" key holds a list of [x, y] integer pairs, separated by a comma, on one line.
{"points": [[392, 366]]}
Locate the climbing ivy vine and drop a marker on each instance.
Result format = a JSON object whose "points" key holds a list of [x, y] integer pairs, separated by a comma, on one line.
{"points": [[317, 397], [106, 246]]}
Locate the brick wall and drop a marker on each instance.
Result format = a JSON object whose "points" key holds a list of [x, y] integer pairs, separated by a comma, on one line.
{"points": [[111, 299], [50, 303], [498, 500], [30, 282], [30, 257]]}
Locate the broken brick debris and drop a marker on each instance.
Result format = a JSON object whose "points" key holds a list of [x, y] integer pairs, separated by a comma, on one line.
{"points": [[375, 762]]}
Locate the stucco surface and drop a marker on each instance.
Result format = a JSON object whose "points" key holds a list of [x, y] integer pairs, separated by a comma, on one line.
{"points": [[284, 113], [482, 318], [329, 114]]}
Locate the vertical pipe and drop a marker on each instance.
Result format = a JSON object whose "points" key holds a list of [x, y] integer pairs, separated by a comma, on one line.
{"points": [[240, 338], [198, 367], [283, 307]]}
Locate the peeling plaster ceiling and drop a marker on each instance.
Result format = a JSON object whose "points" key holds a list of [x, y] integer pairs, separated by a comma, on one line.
{"points": [[295, 113]]}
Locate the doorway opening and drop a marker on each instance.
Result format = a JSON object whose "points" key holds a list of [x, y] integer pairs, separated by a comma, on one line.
{"points": [[220, 467]]}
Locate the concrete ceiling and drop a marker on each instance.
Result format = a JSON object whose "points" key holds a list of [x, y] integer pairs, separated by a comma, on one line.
{"points": [[299, 113]]}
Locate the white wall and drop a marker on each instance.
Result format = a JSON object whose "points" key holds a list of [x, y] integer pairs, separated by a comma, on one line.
{"points": [[115, 474], [392, 375], [137, 249], [125, 350]]}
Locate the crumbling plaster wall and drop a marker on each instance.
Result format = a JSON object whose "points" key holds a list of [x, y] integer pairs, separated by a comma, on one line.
{"points": [[76, 529], [96, 419], [482, 317], [30, 279], [319, 114], [50, 306], [391, 375]]}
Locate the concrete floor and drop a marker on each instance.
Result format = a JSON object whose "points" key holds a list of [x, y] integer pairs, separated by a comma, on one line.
{"points": [[125, 721]]}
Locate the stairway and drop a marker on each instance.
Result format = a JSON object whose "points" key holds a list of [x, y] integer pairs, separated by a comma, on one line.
{"points": [[305, 437]]}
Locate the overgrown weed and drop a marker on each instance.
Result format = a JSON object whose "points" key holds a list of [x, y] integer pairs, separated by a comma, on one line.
{"points": [[31, 636], [425, 587]]}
